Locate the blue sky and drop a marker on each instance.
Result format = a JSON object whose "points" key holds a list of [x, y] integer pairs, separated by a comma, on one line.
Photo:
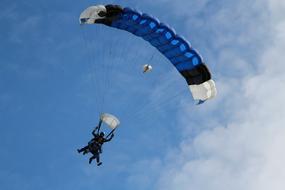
{"points": [[56, 77]]}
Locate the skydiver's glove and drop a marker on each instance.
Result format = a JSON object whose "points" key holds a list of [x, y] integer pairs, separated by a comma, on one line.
{"points": [[112, 135]]}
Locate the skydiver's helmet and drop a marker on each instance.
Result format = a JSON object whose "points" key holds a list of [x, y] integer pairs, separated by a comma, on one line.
{"points": [[102, 134]]}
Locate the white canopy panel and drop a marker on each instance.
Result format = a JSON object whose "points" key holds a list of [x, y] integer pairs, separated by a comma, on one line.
{"points": [[91, 14], [204, 91], [110, 120]]}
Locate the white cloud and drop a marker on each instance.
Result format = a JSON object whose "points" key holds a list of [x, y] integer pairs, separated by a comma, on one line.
{"points": [[248, 152]]}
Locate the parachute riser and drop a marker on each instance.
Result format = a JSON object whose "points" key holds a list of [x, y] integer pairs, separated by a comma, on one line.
{"points": [[99, 126], [111, 132]]}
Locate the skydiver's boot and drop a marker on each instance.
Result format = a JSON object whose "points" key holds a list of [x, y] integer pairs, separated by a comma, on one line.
{"points": [[99, 164]]}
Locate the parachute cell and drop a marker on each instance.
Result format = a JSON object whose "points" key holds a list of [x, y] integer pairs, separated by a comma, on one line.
{"points": [[174, 47]]}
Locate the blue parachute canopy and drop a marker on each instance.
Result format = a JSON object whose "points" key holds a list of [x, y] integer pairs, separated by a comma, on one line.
{"points": [[174, 47]]}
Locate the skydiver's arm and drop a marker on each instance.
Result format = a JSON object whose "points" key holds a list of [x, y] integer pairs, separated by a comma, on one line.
{"points": [[107, 140], [94, 132]]}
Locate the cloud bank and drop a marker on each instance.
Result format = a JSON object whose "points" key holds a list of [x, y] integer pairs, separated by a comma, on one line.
{"points": [[246, 151], [241, 137]]}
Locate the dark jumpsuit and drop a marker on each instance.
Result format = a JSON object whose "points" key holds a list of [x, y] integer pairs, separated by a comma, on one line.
{"points": [[96, 147]]}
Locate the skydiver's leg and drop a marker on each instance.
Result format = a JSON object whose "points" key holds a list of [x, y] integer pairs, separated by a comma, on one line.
{"points": [[91, 158], [100, 149], [84, 149], [98, 159]]}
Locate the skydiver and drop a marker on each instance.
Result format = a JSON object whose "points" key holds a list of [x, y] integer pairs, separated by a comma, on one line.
{"points": [[95, 146], [85, 149]]}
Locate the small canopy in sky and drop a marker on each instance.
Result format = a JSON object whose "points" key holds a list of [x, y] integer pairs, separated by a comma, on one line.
{"points": [[110, 120]]}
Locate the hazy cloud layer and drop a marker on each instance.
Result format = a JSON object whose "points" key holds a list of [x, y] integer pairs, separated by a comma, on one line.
{"points": [[246, 152]]}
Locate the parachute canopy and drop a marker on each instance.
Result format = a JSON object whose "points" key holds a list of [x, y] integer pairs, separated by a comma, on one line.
{"points": [[173, 46], [147, 68], [110, 120]]}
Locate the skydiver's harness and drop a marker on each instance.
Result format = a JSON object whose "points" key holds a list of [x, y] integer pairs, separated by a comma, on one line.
{"points": [[94, 147], [98, 141]]}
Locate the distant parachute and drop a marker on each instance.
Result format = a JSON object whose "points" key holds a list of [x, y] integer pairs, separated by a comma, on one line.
{"points": [[174, 47], [147, 68]]}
